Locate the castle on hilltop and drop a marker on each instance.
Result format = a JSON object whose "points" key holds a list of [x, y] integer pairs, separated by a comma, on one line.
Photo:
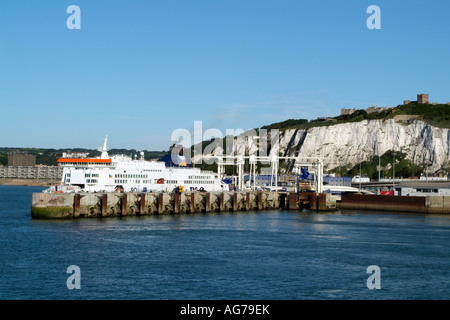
{"points": [[371, 109], [421, 99]]}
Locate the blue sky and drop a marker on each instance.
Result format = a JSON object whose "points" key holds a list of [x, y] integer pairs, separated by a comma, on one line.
{"points": [[138, 70]]}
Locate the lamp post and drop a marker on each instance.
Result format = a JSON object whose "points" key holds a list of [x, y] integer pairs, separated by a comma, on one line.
{"points": [[379, 161], [393, 169], [360, 174]]}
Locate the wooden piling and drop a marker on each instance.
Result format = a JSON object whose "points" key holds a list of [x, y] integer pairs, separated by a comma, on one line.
{"points": [[235, 196], [142, 204], [104, 205], [221, 199], [322, 202], [192, 203], [292, 204], [160, 203], [304, 200], [176, 205], [123, 207], [208, 202], [76, 205], [260, 195]]}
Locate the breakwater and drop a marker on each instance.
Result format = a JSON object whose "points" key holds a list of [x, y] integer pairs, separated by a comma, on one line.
{"points": [[100, 205], [427, 205], [87, 205]]}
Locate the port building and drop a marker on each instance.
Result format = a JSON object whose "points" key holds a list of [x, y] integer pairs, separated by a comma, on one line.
{"points": [[423, 188], [21, 159]]}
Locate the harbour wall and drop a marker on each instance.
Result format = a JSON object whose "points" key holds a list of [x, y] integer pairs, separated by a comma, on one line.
{"points": [[86, 205], [427, 205], [99, 205]]}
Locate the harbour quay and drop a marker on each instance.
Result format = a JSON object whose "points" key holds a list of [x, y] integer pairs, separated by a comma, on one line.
{"points": [[411, 204], [96, 205], [102, 205]]}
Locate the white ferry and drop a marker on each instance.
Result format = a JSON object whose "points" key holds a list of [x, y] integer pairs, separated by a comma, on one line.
{"points": [[123, 173]]}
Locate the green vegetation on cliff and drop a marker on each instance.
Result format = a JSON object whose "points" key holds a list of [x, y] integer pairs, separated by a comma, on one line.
{"points": [[286, 124], [403, 167], [437, 115]]}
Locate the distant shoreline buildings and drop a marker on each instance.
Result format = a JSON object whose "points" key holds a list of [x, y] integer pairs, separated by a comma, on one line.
{"points": [[23, 166], [39, 172], [21, 159]]}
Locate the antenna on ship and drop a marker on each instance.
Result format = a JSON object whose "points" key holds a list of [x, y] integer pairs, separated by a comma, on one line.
{"points": [[103, 149]]}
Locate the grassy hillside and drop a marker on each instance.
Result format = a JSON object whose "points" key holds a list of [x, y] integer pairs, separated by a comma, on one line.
{"points": [[403, 167], [436, 115]]}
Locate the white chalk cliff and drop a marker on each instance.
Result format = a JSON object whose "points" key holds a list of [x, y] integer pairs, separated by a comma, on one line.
{"points": [[350, 143]]}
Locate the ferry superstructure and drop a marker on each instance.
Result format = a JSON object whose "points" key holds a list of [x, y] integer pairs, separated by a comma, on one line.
{"points": [[123, 173]]}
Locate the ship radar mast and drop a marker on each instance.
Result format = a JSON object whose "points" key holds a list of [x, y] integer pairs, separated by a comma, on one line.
{"points": [[103, 149]]}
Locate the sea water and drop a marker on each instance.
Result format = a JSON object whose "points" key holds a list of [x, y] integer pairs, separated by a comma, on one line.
{"points": [[269, 255]]}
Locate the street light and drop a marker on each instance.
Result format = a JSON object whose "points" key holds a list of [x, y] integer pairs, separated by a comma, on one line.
{"points": [[360, 176], [379, 161], [393, 169]]}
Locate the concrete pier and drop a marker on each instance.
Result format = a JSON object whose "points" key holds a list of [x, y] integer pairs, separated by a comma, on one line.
{"points": [[100, 205], [427, 205], [86, 205]]}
